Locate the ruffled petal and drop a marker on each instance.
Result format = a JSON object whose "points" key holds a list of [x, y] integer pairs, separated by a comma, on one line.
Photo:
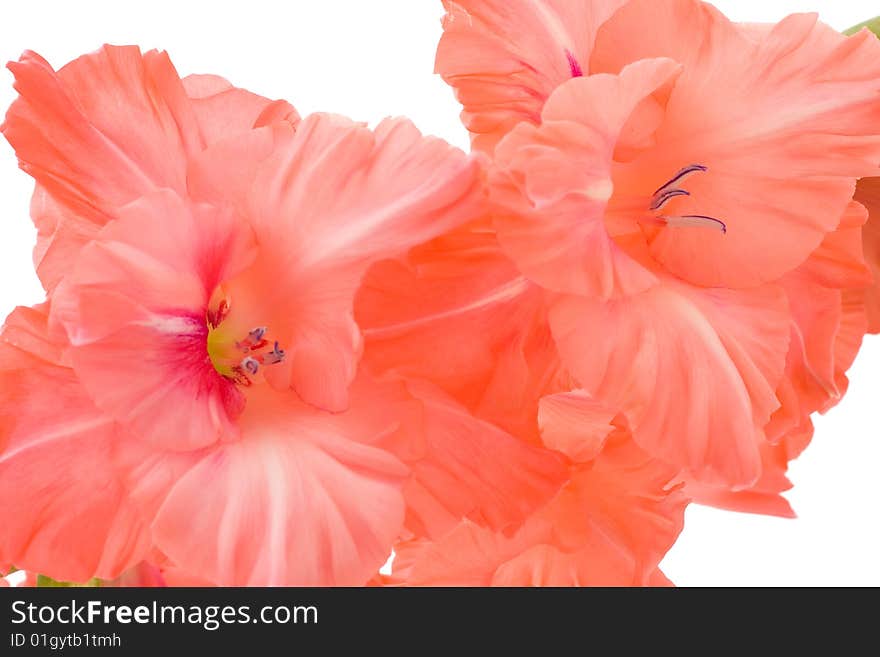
{"points": [[468, 468], [135, 311], [698, 386], [104, 130], [609, 526], [505, 57], [332, 199], [223, 111], [65, 510], [765, 496], [827, 299], [555, 182], [303, 499], [779, 179]]}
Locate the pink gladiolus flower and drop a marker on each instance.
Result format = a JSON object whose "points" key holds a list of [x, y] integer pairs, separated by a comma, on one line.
{"points": [[275, 349], [670, 200], [193, 385]]}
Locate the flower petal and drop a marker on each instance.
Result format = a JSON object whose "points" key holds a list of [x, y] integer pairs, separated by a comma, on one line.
{"points": [[468, 468], [694, 370], [505, 57], [486, 325], [765, 496], [332, 199], [66, 513], [609, 526], [575, 424], [135, 312], [303, 499], [555, 182], [778, 177], [223, 111], [104, 130]]}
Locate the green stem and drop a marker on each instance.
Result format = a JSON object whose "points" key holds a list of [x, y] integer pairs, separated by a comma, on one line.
{"points": [[873, 25]]}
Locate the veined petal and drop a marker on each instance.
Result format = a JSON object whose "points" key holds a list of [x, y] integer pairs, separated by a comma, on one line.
{"points": [[554, 182], [135, 312], [697, 385], [104, 130], [332, 199], [505, 57], [110, 127], [65, 510], [304, 498], [785, 123], [468, 468], [223, 111]]}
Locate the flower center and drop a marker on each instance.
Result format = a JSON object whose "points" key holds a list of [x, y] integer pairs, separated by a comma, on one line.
{"points": [[236, 357], [673, 189]]}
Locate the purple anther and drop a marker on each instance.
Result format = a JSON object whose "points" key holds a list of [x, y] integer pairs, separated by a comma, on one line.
{"points": [[274, 356], [681, 175], [696, 220], [661, 199], [251, 365]]}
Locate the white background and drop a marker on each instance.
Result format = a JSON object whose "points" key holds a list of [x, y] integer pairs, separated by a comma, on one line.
{"points": [[373, 59]]}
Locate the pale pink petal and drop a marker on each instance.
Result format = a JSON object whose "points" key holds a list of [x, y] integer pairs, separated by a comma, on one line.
{"points": [[223, 111]]}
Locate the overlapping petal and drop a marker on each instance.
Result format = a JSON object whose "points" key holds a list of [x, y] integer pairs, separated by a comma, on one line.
{"points": [[778, 177], [609, 526], [65, 511], [504, 58]]}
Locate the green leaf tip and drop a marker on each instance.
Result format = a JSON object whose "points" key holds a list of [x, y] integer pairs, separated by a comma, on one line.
{"points": [[872, 24]]}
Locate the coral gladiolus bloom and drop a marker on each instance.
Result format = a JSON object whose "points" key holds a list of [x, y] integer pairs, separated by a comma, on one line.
{"points": [[667, 188], [202, 264]]}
